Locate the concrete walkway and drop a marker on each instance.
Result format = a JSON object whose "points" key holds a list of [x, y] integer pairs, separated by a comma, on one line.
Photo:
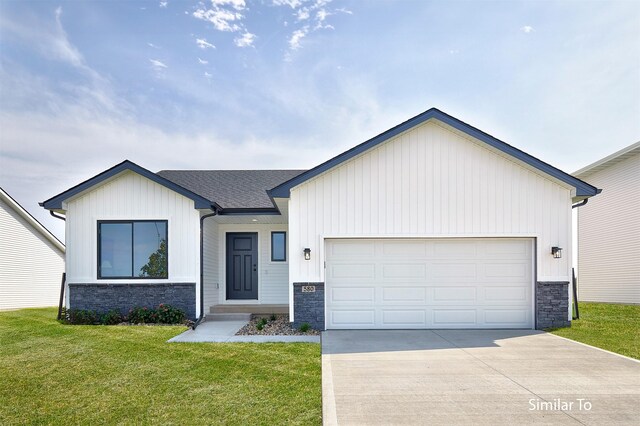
{"points": [[473, 377], [224, 331]]}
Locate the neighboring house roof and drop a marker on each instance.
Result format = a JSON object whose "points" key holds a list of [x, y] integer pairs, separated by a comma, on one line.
{"points": [[4, 196], [232, 189], [583, 189], [608, 161], [56, 202]]}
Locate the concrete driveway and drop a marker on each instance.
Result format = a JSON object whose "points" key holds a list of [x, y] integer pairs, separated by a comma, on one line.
{"points": [[473, 377]]}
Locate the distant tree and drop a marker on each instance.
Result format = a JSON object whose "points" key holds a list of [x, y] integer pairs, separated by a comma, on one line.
{"points": [[156, 267]]}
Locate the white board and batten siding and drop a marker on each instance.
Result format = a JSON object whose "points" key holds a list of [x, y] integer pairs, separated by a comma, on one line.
{"points": [[31, 263], [130, 196], [609, 236], [273, 277], [431, 182]]}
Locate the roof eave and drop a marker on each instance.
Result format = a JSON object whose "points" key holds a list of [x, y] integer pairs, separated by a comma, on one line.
{"points": [[55, 203]]}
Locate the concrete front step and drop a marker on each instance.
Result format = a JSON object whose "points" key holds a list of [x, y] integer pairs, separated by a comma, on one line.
{"points": [[229, 317], [249, 309]]}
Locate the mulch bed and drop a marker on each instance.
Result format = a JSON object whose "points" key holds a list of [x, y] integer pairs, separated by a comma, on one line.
{"points": [[278, 327]]}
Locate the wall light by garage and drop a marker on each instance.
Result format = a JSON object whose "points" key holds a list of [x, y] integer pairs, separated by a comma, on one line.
{"points": [[307, 254], [556, 252]]}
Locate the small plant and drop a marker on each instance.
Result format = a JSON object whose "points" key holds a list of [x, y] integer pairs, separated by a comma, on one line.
{"points": [[167, 314], [142, 315], [111, 317], [304, 327], [273, 317], [261, 323], [80, 316]]}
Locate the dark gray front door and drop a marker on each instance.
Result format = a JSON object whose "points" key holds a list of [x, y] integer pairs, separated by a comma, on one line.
{"points": [[242, 265]]}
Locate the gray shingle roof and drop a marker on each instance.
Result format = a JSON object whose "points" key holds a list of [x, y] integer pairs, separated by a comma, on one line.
{"points": [[231, 188]]}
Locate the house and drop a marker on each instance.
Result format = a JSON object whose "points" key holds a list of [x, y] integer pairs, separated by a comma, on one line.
{"points": [[431, 224], [31, 259], [609, 230]]}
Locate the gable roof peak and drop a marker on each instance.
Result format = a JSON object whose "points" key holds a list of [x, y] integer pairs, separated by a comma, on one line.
{"points": [[583, 189]]}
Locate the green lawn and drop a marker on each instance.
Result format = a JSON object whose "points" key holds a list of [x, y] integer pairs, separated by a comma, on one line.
{"points": [[615, 328], [53, 374]]}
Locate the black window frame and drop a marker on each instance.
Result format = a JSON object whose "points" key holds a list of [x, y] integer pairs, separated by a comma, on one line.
{"points": [[131, 221], [285, 246]]}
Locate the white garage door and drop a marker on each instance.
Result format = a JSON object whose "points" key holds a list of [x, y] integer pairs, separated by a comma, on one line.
{"points": [[429, 283]]}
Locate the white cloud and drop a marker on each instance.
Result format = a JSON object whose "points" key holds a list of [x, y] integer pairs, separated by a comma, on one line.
{"points": [[202, 61], [204, 44], [157, 65], [246, 40], [208, 75], [223, 14], [62, 47], [163, 4], [527, 29], [302, 14], [293, 4], [153, 45], [297, 36]]}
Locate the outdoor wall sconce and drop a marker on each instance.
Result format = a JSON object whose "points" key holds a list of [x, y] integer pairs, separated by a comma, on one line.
{"points": [[307, 254], [556, 252]]}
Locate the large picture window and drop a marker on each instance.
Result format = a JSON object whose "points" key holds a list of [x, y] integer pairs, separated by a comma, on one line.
{"points": [[132, 249], [278, 246]]}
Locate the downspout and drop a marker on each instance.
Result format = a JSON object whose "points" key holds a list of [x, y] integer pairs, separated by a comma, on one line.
{"points": [[52, 213], [574, 282], [63, 282], [580, 204], [202, 218]]}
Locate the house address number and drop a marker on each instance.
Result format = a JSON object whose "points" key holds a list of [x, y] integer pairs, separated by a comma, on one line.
{"points": [[308, 288]]}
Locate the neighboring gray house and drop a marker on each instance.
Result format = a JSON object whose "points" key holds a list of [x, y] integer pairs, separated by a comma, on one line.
{"points": [[31, 259], [431, 224], [609, 230]]}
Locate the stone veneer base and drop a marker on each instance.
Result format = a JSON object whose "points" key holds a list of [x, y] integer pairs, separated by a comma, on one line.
{"points": [[552, 304], [122, 297], [308, 306]]}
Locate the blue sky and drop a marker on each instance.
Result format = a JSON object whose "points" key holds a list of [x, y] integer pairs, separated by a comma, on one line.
{"points": [[290, 83]]}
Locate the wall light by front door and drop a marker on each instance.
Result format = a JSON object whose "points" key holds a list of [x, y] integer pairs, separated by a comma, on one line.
{"points": [[556, 252], [307, 254]]}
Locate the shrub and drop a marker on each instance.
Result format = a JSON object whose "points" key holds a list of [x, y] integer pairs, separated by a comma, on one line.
{"points": [[261, 323], [167, 314], [138, 315], [304, 327], [273, 317], [80, 316], [112, 317]]}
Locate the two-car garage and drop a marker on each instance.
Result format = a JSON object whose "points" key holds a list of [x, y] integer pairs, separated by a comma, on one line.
{"points": [[429, 283]]}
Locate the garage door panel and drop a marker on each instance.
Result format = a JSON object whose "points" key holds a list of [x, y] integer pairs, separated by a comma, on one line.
{"points": [[404, 317], [500, 317], [404, 271], [506, 294], [455, 294], [405, 249], [456, 249], [429, 283], [452, 271], [507, 271], [352, 248], [352, 271], [352, 294], [352, 318], [455, 317], [404, 294], [505, 248]]}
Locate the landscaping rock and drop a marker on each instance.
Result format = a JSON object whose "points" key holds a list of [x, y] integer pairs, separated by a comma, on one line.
{"points": [[278, 327]]}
